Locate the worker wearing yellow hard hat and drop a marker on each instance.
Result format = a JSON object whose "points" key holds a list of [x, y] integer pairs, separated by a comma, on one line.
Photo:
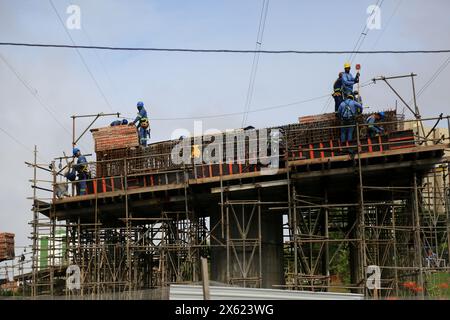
{"points": [[348, 80]]}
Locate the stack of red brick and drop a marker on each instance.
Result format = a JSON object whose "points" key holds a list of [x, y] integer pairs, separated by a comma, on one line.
{"points": [[6, 246], [116, 137]]}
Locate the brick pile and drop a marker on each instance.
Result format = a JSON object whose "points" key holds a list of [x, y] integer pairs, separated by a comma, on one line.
{"points": [[6, 246], [116, 137]]}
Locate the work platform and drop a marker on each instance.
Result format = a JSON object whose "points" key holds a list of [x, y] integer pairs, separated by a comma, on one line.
{"points": [[169, 186]]}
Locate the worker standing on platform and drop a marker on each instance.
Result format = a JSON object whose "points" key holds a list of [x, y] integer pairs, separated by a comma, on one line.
{"points": [[348, 110], [373, 129], [81, 167], [143, 124], [337, 92], [348, 81], [357, 97]]}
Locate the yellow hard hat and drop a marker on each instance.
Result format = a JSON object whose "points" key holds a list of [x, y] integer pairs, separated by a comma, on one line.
{"points": [[347, 65]]}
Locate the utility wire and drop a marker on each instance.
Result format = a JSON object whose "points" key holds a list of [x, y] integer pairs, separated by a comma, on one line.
{"points": [[434, 76], [81, 57], [364, 33], [358, 44], [33, 92], [259, 38], [240, 113], [189, 50], [21, 144], [385, 27], [36, 95], [387, 23]]}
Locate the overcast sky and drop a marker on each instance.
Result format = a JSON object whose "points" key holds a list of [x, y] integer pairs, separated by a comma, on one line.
{"points": [[188, 84]]}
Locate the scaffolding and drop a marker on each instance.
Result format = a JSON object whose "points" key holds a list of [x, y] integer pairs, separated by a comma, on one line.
{"points": [[147, 222]]}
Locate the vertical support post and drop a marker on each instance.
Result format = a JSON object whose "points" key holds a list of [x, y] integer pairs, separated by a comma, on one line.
{"points": [[326, 235], [53, 231], [361, 218], [97, 249], [447, 206], [73, 146], [127, 226], [294, 236], [205, 279], [416, 109], [227, 225], [34, 265], [418, 244], [260, 275], [394, 248]]}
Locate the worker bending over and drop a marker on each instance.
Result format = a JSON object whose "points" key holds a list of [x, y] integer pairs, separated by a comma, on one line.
{"points": [[337, 92], [119, 122], [373, 129], [348, 81], [81, 167], [348, 110], [143, 124]]}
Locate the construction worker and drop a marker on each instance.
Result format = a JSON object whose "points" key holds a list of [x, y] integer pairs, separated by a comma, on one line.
{"points": [[372, 128], [337, 92], [143, 124], [119, 122], [357, 96], [348, 80], [81, 167], [348, 110]]}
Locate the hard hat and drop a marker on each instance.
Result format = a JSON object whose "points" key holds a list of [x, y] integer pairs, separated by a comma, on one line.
{"points": [[140, 104], [124, 121], [75, 151], [382, 115], [350, 97], [144, 123], [346, 65]]}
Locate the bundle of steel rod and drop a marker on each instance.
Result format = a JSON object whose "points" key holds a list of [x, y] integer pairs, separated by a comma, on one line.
{"points": [[235, 145], [325, 127]]}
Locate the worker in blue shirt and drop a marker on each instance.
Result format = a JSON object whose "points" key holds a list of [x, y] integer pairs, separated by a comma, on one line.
{"points": [[119, 122], [348, 80], [348, 110], [143, 124], [81, 167], [337, 92], [373, 129]]}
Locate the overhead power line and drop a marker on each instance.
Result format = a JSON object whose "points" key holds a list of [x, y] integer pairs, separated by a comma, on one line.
{"points": [[258, 45], [82, 58], [189, 50], [363, 33], [357, 47], [279, 106], [35, 94], [240, 113], [19, 143], [434, 76]]}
